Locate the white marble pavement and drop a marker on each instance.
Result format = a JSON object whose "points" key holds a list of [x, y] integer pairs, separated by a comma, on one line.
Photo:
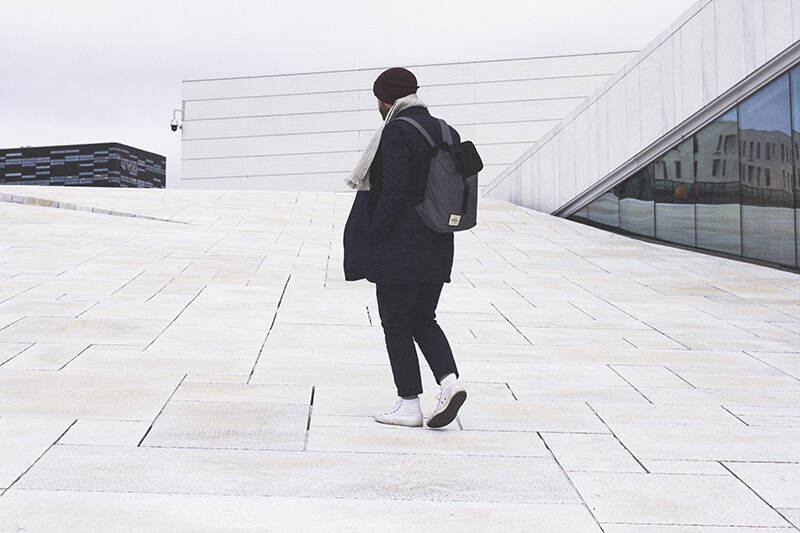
{"points": [[194, 361]]}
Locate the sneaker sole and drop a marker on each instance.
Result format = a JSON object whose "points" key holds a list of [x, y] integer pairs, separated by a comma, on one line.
{"points": [[450, 412], [409, 424]]}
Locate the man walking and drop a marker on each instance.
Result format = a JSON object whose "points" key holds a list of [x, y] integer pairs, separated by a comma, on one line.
{"points": [[386, 242]]}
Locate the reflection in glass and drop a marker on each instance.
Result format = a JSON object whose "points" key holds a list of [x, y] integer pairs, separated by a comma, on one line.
{"points": [[605, 210], [795, 76], [765, 158], [582, 213], [636, 203], [718, 209], [675, 192]]}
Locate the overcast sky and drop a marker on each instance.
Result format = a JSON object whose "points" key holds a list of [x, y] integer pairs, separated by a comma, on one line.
{"points": [[87, 71]]}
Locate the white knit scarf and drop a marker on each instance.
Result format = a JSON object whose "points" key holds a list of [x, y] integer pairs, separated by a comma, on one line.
{"points": [[359, 178]]}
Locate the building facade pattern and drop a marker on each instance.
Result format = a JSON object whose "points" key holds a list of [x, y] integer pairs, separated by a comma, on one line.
{"points": [[95, 165]]}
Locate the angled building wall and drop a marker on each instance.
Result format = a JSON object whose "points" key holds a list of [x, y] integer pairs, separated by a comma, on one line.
{"points": [[306, 131], [674, 146]]}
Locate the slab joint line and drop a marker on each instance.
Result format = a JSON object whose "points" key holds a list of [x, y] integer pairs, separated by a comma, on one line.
{"points": [[310, 411], [272, 325], [646, 471], [614, 370], [740, 480], [560, 467], [39, 458], [176, 318], [146, 433]]}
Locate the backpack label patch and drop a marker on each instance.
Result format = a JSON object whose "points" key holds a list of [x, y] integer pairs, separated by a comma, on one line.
{"points": [[455, 220]]}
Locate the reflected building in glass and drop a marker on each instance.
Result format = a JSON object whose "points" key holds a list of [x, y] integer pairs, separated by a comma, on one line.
{"points": [[85, 165], [732, 187]]}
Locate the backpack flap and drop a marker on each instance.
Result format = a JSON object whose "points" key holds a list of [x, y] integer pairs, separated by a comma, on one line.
{"points": [[466, 158]]}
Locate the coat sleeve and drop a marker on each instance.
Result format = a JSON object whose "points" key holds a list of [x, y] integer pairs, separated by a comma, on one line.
{"points": [[396, 175]]}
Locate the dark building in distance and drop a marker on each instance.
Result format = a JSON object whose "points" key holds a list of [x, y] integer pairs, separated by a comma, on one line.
{"points": [[88, 165]]}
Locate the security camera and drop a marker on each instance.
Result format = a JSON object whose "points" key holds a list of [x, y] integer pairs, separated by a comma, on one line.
{"points": [[174, 122]]}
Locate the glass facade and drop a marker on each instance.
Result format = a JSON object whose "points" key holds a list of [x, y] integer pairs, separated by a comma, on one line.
{"points": [[732, 187], [92, 165]]}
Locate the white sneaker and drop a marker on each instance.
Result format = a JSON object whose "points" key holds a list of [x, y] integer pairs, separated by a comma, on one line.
{"points": [[404, 413], [450, 401]]}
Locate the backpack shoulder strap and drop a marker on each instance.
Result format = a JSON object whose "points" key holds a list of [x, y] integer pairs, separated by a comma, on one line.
{"points": [[446, 137], [419, 128]]}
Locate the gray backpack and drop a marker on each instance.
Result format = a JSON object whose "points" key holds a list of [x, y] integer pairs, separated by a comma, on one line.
{"points": [[451, 194]]}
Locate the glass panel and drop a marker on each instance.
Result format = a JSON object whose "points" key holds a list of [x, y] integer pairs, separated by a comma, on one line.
{"points": [[719, 225], [796, 151], [605, 210], [765, 155], [636, 211], [582, 213], [674, 191]]}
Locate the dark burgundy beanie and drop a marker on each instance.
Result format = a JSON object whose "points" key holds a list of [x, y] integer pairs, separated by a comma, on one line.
{"points": [[393, 84]]}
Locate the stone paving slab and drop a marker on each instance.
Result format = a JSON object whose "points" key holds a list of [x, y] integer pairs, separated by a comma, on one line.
{"points": [[194, 361], [300, 474], [30, 511]]}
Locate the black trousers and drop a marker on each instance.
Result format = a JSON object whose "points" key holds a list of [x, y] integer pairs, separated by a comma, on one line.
{"points": [[408, 314]]}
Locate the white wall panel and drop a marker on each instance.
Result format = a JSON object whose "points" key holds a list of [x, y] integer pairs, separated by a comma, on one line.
{"points": [[510, 132], [300, 84], [502, 153], [205, 89], [708, 21], [755, 49], [274, 105], [212, 148], [676, 71], [551, 67], [602, 137], [291, 124], [536, 178], [213, 129], [303, 143], [566, 163], [594, 146], [691, 64], [617, 130], [214, 168], [581, 151], [668, 108], [268, 145], [730, 44], [633, 108], [526, 187], [300, 163], [490, 172], [297, 182], [216, 183], [548, 178], [549, 88], [443, 74], [463, 94], [777, 26], [652, 117], [795, 20]]}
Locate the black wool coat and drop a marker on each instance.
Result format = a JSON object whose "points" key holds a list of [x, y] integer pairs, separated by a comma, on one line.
{"points": [[385, 240]]}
